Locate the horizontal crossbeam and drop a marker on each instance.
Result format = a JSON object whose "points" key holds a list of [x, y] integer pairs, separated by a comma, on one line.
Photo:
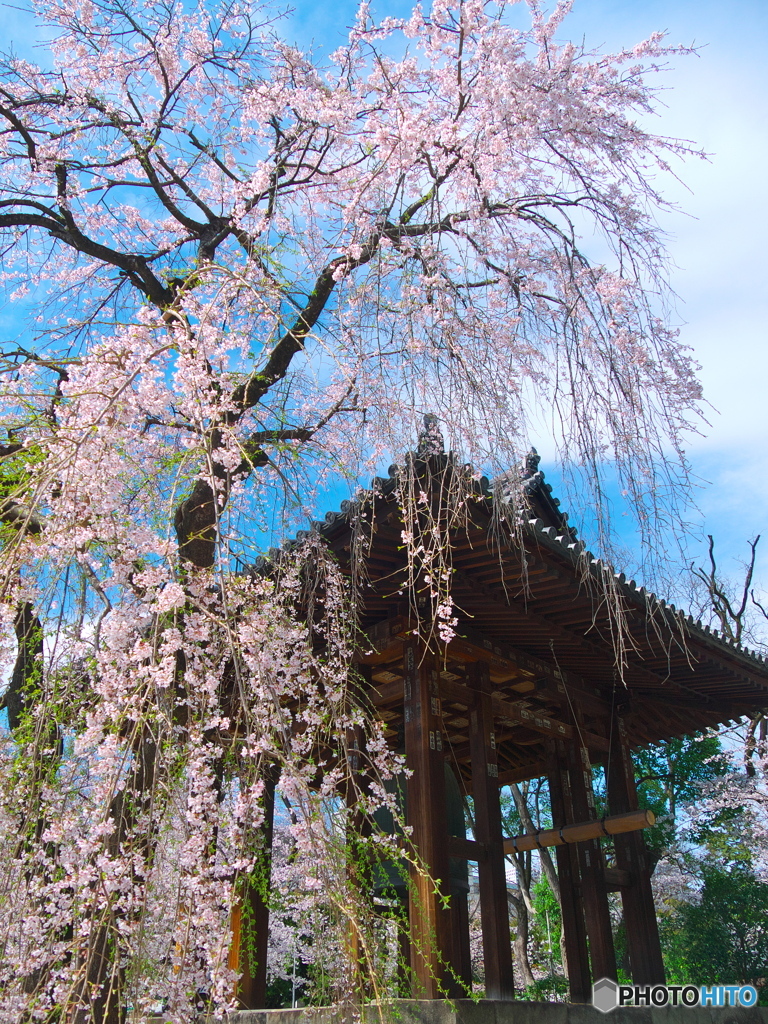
{"points": [[581, 831]]}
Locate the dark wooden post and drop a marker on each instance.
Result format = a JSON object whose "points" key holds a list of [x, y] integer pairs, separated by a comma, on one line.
{"points": [[251, 916], [462, 954], [591, 867], [461, 958], [643, 943], [494, 909], [574, 932], [429, 916]]}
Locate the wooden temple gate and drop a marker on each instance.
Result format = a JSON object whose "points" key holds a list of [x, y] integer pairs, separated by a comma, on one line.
{"points": [[459, 690], [527, 687]]}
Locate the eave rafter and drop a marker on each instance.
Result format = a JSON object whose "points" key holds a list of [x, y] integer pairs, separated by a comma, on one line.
{"points": [[535, 607]]}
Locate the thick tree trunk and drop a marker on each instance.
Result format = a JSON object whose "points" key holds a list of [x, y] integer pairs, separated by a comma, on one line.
{"points": [[547, 865], [520, 944], [195, 523], [28, 667]]}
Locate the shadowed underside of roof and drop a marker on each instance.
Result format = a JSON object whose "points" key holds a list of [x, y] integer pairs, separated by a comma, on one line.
{"points": [[560, 628]]}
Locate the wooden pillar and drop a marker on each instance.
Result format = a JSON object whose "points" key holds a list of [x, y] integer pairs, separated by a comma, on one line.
{"points": [[494, 910], [574, 932], [591, 868], [644, 947], [429, 916], [250, 918], [462, 954]]}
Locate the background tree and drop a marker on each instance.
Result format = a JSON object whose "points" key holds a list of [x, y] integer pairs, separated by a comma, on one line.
{"points": [[243, 271], [671, 777], [734, 606], [539, 935], [710, 790], [721, 937]]}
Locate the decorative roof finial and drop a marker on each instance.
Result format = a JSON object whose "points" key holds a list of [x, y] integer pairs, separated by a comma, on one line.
{"points": [[431, 441], [531, 463]]}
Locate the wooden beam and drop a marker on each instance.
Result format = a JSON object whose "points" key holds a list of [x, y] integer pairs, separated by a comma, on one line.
{"points": [[531, 718], [617, 879], [511, 657], [565, 693], [500, 597], [689, 699], [382, 694], [462, 949], [250, 916], [591, 868], [580, 831], [492, 875], [644, 947], [466, 849], [385, 635], [534, 770], [745, 673], [430, 920], [502, 657], [574, 931]]}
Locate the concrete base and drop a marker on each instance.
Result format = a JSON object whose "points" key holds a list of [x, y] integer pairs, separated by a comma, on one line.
{"points": [[493, 1011]]}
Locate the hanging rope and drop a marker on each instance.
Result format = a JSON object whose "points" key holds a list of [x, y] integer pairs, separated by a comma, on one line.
{"points": [[567, 694], [610, 744]]}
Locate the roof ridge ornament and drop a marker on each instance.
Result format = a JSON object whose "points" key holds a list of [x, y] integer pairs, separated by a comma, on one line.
{"points": [[531, 463], [431, 441]]}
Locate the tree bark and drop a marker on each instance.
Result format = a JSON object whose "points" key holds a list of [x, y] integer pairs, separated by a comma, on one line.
{"points": [[520, 942], [547, 866]]}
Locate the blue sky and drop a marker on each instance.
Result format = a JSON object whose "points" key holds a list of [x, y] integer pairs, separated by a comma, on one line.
{"points": [[718, 99]]}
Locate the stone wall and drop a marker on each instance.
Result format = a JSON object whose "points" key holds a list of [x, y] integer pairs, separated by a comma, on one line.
{"points": [[491, 1011]]}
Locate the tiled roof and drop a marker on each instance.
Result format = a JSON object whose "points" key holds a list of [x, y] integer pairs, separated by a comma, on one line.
{"points": [[549, 526]]}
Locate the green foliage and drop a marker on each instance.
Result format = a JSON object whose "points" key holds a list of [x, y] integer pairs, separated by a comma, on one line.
{"points": [[279, 994], [510, 819], [622, 953], [723, 838], [670, 775], [16, 469], [552, 988], [723, 939], [546, 922]]}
